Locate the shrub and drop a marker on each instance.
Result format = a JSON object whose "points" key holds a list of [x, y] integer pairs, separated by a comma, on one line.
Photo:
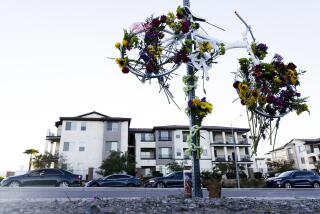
{"points": [[1, 178], [157, 174], [257, 175]]}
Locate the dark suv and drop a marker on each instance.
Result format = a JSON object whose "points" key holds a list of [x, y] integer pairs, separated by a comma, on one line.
{"points": [[295, 178], [174, 179], [44, 177]]}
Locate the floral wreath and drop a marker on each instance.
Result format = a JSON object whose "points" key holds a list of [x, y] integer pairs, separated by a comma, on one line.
{"points": [[269, 91]]}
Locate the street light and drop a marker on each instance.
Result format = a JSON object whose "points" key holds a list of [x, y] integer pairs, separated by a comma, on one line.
{"points": [[235, 152]]}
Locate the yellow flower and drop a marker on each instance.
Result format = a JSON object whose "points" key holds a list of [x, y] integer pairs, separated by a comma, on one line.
{"points": [[117, 45], [122, 62], [205, 47], [196, 102], [243, 87], [125, 42], [255, 93], [262, 99]]}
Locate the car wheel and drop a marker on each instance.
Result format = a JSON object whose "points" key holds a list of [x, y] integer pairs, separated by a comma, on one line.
{"points": [[160, 185], [130, 185], [63, 184], [316, 185], [14, 184], [287, 185]]}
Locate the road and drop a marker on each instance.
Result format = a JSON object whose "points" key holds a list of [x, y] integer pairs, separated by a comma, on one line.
{"points": [[82, 192], [272, 193]]}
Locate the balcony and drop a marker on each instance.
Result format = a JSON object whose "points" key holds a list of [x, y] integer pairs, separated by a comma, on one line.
{"points": [[147, 154], [245, 158], [53, 137], [220, 158], [165, 156], [243, 142], [165, 138]]}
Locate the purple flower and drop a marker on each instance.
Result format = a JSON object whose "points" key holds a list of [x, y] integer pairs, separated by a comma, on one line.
{"points": [[262, 47], [144, 56], [203, 99], [277, 58]]}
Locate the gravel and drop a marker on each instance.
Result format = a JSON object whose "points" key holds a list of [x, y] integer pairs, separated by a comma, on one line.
{"points": [[171, 204]]}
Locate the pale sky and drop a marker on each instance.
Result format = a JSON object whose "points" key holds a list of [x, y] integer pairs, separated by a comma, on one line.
{"points": [[53, 62]]}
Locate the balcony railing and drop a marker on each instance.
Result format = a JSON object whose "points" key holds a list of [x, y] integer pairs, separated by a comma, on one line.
{"points": [[243, 142], [165, 156], [220, 158], [245, 158], [165, 138], [309, 151], [147, 157]]}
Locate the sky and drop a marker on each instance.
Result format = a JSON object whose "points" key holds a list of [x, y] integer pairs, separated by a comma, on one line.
{"points": [[54, 62]]}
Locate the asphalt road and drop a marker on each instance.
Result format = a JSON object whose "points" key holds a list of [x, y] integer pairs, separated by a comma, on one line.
{"points": [[85, 192], [272, 193], [113, 192]]}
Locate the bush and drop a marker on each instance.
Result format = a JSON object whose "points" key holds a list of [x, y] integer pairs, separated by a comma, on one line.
{"points": [[157, 174], [1, 178], [257, 175]]}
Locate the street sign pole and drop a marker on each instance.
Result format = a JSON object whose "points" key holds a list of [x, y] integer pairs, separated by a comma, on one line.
{"points": [[196, 182]]}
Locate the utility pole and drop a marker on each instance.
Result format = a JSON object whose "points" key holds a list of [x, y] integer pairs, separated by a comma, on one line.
{"points": [[196, 181]]}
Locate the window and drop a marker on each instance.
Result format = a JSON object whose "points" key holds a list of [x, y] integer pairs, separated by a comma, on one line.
{"points": [[165, 153], [178, 152], [83, 126], [213, 137], [301, 148], [246, 150], [112, 126], [290, 151], [205, 152], [185, 135], [53, 172], [147, 137], [71, 126], [81, 147], [164, 135], [66, 146], [112, 146], [186, 154], [146, 153], [303, 161]]}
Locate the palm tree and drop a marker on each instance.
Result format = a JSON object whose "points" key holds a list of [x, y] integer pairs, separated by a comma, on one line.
{"points": [[30, 152]]}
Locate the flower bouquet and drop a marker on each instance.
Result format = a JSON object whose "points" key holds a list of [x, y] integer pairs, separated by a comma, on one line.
{"points": [[269, 91]]}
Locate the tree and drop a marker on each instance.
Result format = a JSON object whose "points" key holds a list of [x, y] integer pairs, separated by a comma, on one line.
{"points": [[174, 166], [45, 160], [280, 166], [30, 152], [117, 163]]}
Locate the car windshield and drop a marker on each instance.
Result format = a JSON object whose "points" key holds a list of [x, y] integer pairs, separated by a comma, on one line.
{"points": [[285, 174]]}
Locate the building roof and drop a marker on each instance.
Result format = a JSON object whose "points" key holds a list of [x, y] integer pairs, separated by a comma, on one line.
{"points": [[307, 141], [185, 127], [86, 117]]}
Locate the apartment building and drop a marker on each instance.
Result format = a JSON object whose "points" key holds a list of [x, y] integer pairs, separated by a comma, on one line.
{"points": [[303, 152], [84, 141], [156, 147]]}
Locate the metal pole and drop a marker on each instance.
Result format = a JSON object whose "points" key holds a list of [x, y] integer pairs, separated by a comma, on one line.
{"points": [[235, 153], [196, 181]]}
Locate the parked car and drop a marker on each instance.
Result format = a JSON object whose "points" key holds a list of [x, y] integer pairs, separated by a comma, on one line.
{"points": [[44, 177], [295, 178], [174, 179], [115, 180]]}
